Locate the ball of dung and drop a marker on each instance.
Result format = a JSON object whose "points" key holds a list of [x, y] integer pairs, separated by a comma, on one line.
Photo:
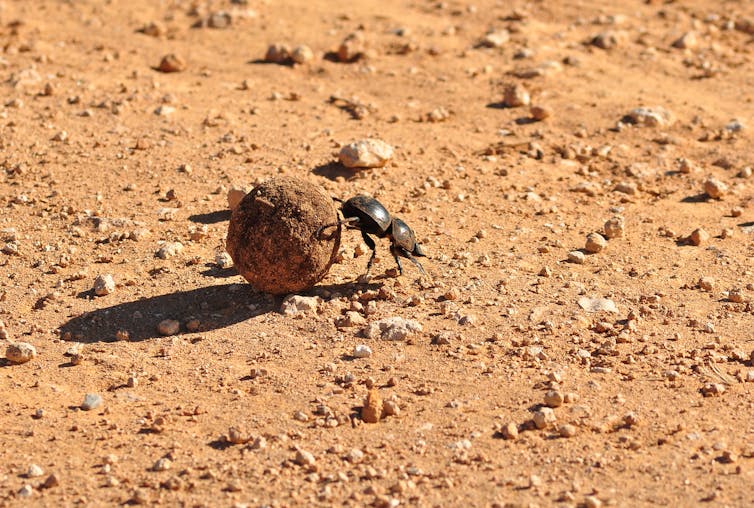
{"points": [[273, 236]]}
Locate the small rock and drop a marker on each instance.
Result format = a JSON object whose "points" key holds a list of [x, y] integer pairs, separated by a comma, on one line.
{"points": [[651, 117], [154, 29], [362, 351], [509, 431], [34, 471], [576, 257], [392, 328], [169, 249], [20, 352], [597, 304], [592, 502], [104, 285], [302, 54], [595, 243], [278, 53], [567, 430], [736, 295], [235, 436], [296, 304], [543, 417], [707, 283], [540, 113], [162, 464], [220, 19], [607, 40], [495, 39], [352, 48], [172, 63], [553, 398], [91, 401], [51, 481], [223, 260], [713, 389], [168, 327], [689, 40], [390, 408], [698, 237], [26, 491], [516, 95], [371, 412], [366, 153], [614, 228], [304, 458], [715, 188]]}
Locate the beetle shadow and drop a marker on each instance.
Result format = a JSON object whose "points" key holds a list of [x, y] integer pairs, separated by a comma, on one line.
{"points": [[333, 170], [210, 217], [214, 307]]}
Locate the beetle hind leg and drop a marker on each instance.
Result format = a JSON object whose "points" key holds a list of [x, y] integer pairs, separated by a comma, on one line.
{"points": [[370, 243], [399, 251], [347, 222]]}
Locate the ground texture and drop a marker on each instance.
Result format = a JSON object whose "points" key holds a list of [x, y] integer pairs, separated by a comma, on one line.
{"points": [[207, 393]]}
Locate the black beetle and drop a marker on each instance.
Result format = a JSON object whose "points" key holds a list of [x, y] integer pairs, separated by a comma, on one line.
{"points": [[372, 218]]}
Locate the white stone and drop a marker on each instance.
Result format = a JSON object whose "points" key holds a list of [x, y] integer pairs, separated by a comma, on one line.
{"points": [[652, 117], [366, 153], [596, 304], [296, 304], [362, 351], [169, 249], [392, 328], [104, 285]]}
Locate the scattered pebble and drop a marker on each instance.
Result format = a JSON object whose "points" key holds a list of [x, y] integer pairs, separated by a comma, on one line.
{"points": [[297, 304], [366, 153], [304, 458], [614, 228], [715, 188], [302, 54], [390, 408], [352, 48], [392, 328], [713, 389], [169, 249], [576, 257], [567, 430], [509, 431], [651, 117], [223, 260], [689, 40], [362, 351], [595, 243], [553, 398], [371, 412], [168, 327], [91, 401], [596, 304], [278, 53], [172, 63], [162, 464], [20, 352], [540, 113], [495, 38], [104, 285], [516, 95], [698, 237], [51, 481], [34, 471], [544, 417]]}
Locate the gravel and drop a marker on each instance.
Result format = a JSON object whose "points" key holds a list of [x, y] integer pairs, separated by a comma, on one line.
{"points": [[362, 351]]}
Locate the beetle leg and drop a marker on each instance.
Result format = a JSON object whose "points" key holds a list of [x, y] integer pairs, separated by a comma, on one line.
{"points": [[400, 251], [370, 243], [347, 222], [396, 251]]}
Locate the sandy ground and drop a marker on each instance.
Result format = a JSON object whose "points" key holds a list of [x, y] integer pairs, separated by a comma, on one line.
{"points": [[644, 348]]}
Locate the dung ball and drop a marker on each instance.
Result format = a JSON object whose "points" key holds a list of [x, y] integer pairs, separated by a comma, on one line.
{"points": [[272, 236]]}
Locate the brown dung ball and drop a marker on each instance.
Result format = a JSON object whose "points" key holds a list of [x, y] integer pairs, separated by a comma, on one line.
{"points": [[272, 236]]}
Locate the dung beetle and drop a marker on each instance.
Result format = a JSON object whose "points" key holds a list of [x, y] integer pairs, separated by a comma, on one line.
{"points": [[370, 217]]}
